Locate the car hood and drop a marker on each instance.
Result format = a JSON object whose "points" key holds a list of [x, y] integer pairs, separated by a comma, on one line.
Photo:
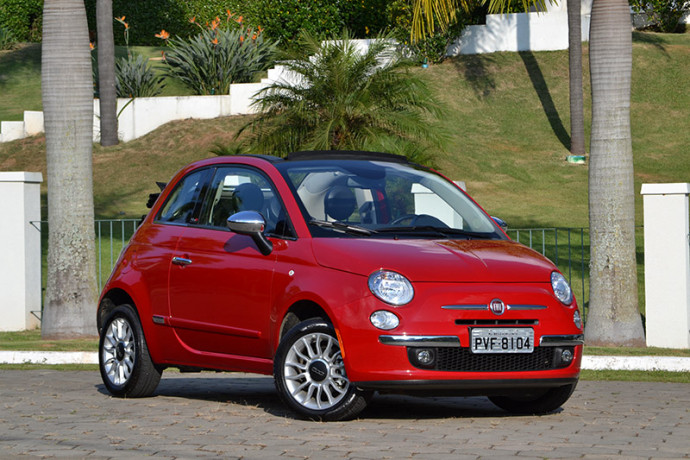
{"points": [[422, 260]]}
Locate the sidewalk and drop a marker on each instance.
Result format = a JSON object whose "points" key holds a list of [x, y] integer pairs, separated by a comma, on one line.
{"points": [[622, 363]]}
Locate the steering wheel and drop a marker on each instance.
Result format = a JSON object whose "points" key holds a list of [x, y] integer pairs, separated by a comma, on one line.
{"points": [[424, 220]]}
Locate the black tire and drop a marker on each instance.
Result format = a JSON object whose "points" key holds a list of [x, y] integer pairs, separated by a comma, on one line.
{"points": [[310, 375], [123, 357], [546, 402]]}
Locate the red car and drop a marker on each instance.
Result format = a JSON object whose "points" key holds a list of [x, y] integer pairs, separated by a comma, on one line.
{"points": [[341, 274]]}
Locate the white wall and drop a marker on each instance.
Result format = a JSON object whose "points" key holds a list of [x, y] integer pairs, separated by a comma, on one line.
{"points": [[521, 31], [20, 246], [667, 264]]}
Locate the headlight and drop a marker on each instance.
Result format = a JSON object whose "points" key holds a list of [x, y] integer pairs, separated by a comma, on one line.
{"points": [[561, 288], [391, 287]]}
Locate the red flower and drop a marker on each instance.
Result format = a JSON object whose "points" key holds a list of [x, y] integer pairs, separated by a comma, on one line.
{"points": [[163, 35]]}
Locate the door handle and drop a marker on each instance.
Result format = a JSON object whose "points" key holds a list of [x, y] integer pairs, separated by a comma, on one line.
{"points": [[181, 261]]}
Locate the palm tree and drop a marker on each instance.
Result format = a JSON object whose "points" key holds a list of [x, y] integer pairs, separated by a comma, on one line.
{"points": [[614, 317], [67, 87], [106, 72], [341, 98], [577, 119]]}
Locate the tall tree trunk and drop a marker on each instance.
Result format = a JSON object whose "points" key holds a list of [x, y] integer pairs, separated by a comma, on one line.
{"points": [[614, 317], [577, 121], [67, 86], [106, 72]]}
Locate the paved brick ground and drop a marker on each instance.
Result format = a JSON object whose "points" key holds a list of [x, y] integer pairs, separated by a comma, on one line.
{"points": [[68, 414]]}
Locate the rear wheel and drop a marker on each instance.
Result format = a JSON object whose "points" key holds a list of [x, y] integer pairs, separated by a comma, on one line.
{"points": [[548, 401], [310, 374], [124, 361]]}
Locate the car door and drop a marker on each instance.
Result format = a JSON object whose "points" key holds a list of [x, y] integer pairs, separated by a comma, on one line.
{"points": [[220, 283]]}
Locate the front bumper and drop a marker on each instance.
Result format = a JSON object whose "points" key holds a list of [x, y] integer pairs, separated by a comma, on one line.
{"points": [[381, 360]]}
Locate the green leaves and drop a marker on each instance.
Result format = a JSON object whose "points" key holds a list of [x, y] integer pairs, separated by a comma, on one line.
{"points": [[340, 97], [134, 77], [213, 59]]}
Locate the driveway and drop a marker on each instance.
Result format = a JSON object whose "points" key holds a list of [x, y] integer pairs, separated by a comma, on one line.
{"points": [[47, 413]]}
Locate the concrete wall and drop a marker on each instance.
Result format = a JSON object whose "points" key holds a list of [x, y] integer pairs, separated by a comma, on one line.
{"points": [[667, 264], [20, 246], [546, 31]]}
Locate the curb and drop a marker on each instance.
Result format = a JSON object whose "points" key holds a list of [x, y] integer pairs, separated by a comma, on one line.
{"points": [[616, 363]]}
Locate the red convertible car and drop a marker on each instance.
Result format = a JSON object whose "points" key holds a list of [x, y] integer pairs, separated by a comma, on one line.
{"points": [[341, 274]]}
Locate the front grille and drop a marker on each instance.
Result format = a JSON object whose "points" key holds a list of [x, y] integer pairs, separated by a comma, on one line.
{"points": [[462, 359]]}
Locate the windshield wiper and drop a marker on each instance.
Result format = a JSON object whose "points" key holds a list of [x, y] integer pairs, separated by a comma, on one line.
{"points": [[445, 232], [342, 227]]}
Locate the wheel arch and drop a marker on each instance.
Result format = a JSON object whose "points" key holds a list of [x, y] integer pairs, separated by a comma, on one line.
{"points": [[109, 301], [298, 312]]}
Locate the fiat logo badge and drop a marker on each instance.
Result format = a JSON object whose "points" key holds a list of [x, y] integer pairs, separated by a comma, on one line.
{"points": [[497, 307]]}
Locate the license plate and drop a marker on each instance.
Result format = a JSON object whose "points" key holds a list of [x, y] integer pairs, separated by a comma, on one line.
{"points": [[502, 340]]}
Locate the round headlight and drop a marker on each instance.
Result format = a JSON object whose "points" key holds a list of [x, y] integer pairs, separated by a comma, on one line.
{"points": [[385, 320], [561, 288], [391, 287]]}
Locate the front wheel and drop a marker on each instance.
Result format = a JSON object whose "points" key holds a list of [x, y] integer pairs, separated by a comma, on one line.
{"points": [[548, 401], [123, 357], [310, 374]]}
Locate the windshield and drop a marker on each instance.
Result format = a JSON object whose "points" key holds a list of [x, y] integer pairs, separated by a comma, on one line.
{"points": [[375, 198]]}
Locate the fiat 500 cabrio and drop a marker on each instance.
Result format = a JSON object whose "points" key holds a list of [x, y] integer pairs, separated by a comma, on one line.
{"points": [[341, 274]]}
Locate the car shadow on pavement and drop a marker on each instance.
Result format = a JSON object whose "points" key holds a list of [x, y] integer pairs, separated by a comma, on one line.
{"points": [[260, 392]]}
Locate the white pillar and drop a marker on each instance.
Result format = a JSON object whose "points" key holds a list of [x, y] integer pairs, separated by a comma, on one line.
{"points": [[20, 246], [667, 264]]}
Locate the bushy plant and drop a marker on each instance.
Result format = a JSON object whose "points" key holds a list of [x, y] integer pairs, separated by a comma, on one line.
{"points": [[149, 16], [134, 77], [663, 15], [429, 49], [22, 18], [7, 40], [217, 56], [338, 97], [285, 19]]}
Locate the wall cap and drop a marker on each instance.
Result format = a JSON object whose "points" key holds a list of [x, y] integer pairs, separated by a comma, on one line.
{"points": [[681, 188], [21, 176]]}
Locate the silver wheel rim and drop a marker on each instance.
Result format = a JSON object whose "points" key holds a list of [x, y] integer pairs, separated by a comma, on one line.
{"points": [[314, 372], [118, 351]]}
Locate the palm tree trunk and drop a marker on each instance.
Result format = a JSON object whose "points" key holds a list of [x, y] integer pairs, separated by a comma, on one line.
{"points": [[67, 86], [577, 121], [614, 317], [106, 72]]}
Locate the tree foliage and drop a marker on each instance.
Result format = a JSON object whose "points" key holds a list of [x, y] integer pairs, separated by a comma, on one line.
{"points": [[339, 97]]}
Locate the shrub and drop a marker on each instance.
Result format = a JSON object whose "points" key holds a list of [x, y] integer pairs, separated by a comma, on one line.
{"points": [[663, 15], [22, 18], [210, 61], [432, 48], [134, 77], [345, 99], [285, 19], [149, 16], [7, 40]]}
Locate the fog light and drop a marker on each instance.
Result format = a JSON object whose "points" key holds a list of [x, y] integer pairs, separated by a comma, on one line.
{"points": [[577, 319], [566, 356], [384, 320], [426, 357]]}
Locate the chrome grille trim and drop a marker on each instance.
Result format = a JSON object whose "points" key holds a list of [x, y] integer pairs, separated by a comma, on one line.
{"points": [[561, 340], [420, 340]]}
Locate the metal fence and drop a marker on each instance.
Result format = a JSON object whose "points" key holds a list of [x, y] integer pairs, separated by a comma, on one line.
{"points": [[568, 248]]}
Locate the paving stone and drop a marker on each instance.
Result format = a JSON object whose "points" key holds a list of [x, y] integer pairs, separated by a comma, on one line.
{"points": [[68, 414]]}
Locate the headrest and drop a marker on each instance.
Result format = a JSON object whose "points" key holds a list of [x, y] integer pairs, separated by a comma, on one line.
{"points": [[340, 202]]}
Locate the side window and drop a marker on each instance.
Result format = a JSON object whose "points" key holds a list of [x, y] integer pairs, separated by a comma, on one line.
{"points": [[181, 206], [234, 189]]}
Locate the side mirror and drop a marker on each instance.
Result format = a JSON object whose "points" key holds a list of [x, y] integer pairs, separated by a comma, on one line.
{"points": [[500, 222], [252, 224]]}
